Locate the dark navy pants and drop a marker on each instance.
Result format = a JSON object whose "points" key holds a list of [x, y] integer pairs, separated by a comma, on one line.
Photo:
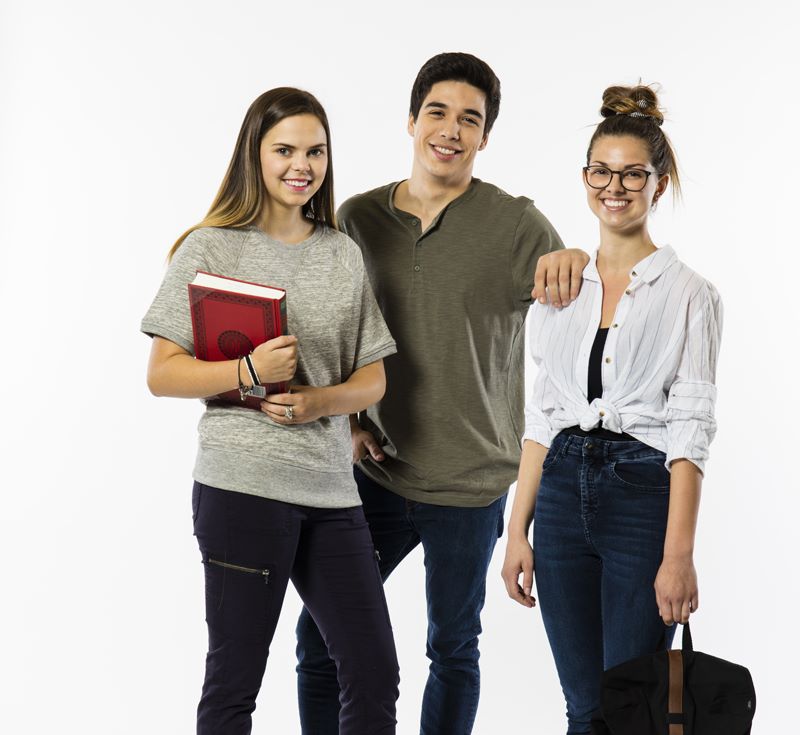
{"points": [[458, 545], [598, 541], [251, 548]]}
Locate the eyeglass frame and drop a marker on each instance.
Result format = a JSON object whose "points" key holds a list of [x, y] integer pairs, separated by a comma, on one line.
{"points": [[619, 174]]}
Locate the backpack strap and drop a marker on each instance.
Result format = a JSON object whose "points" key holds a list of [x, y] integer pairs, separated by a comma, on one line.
{"points": [[675, 713], [687, 638]]}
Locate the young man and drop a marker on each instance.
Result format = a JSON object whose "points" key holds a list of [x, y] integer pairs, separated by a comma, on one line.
{"points": [[451, 260]]}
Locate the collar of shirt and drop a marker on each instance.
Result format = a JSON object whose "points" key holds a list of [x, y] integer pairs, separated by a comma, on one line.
{"points": [[408, 217], [645, 271]]}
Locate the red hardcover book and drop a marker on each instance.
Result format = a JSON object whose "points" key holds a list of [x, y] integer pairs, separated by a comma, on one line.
{"points": [[230, 318]]}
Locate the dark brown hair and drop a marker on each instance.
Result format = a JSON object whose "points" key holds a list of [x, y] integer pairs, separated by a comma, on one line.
{"points": [[635, 111], [457, 67], [240, 198]]}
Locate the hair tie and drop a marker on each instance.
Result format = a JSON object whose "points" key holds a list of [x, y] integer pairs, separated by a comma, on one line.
{"points": [[656, 120]]}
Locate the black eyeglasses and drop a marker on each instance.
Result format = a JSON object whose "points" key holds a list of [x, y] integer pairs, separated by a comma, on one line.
{"points": [[599, 177]]}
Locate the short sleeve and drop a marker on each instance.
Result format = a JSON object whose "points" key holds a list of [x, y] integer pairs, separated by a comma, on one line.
{"points": [[343, 219], [691, 425], [374, 340], [169, 315], [534, 237], [540, 402]]}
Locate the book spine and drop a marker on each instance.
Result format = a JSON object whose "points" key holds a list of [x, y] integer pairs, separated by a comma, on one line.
{"points": [[280, 318], [196, 296]]}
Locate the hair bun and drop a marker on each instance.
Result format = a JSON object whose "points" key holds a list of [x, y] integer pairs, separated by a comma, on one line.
{"points": [[639, 101]]}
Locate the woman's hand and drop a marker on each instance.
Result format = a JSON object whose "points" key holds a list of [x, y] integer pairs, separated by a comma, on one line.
{"points": [[676, 581], [275, 360], [519, 560], [308, 403], [676, 589], [302, 406]]}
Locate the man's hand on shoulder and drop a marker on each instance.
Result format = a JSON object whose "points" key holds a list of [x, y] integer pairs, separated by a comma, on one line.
{"points": [[559, 274]]}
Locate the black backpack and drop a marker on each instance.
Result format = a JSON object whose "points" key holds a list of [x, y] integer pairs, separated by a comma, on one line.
{"points": [[676, 693]]}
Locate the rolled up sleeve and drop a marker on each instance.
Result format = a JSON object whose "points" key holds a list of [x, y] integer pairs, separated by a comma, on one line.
{"points": [[691, 425]]}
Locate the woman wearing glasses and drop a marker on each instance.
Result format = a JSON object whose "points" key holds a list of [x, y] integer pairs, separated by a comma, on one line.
{"points": [[617, 425]]}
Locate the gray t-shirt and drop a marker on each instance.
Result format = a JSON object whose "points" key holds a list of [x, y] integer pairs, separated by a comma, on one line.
{"points": [[332, 312]]}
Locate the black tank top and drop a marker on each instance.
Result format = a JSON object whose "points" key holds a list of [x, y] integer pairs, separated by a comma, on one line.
{"points": [[595, 383], [595, 389]]}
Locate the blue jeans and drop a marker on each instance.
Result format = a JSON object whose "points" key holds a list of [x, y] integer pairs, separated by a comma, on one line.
{"points": [[458, 544], [598, 541]]}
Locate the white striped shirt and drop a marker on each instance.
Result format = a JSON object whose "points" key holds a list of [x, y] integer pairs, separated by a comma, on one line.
{"points": [[658, 363]]}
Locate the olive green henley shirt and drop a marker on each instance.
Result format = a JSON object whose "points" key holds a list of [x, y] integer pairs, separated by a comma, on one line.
{"points": [[454, 298]]}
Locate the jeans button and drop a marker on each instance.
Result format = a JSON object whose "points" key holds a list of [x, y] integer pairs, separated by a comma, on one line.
{"points": [[589, 446]]}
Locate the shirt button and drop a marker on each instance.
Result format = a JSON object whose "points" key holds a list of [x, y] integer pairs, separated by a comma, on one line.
{"points": [[417, 268], [614, 326], [627, 292], [602, 413], [415, 221], [633, 273], [608, 359]]}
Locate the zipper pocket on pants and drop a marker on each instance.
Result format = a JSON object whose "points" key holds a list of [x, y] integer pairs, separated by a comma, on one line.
{"points": [[263, 572]]}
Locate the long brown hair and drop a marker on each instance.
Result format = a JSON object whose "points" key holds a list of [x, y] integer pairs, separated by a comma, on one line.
{"points": [[635, 111], [240, 198]]}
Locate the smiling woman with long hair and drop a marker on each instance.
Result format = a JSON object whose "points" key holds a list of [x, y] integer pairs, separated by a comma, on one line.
{"points": [[617, 425], [274, 497]]}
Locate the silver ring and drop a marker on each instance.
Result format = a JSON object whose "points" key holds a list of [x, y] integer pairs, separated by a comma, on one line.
{"points": [[289, 412]]}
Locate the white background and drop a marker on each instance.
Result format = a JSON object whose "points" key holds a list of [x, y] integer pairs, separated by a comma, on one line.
{"points": [[117, 121]]}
